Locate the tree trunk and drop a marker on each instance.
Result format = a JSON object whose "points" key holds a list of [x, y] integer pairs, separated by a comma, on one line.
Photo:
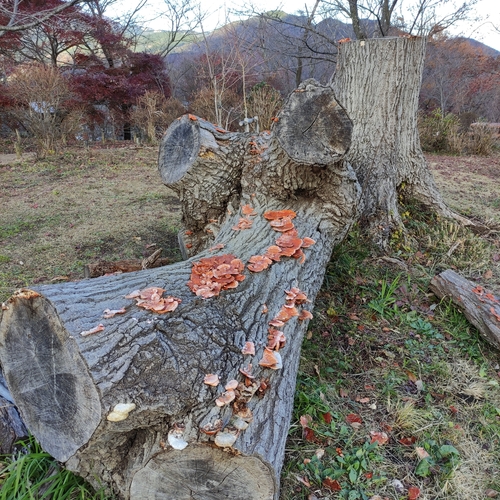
{"points": [[67, 385], [378, 83], [479, 306]]}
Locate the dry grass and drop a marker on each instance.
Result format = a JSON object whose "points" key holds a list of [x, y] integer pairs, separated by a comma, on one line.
{"points": [[80, 207]]}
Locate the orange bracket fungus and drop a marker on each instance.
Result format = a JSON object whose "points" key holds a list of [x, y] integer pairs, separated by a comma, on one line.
{"points": [[212, 274]]}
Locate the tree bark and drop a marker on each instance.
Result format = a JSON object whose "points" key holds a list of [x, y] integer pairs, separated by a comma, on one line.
{"points": [[480, 307], [66, 385], [378, 83]]}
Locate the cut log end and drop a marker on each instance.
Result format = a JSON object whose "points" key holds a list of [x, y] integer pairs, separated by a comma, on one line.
{"points": [[52, 387], [313, 128], [204, 473]]}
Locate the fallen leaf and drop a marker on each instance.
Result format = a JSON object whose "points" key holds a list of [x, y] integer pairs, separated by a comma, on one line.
{"points": [[308, 435], [491, 493], [304, 481], [327, 417], [379, 437], [421, 452], [363, 400], [343, 393], [331, 484], [353, 418], [413, 493], [408, 441], [488, 274], [305, 420]]}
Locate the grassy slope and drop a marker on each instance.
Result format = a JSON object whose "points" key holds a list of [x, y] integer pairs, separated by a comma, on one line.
{"points": [[380, 348]]}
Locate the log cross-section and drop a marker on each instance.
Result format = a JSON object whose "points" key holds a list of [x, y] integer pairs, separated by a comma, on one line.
{"points": [[127, 406]]}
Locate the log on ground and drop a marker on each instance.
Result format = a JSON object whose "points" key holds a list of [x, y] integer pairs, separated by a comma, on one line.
{"points": [[480, 306], [128, 406]]}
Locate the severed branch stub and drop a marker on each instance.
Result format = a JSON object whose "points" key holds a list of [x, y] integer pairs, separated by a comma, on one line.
{"points": [[184, 389], [480, 306]]}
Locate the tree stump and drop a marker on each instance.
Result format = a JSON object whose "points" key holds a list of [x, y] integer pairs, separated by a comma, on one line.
{"points": [[174, 436], [378, 82]]}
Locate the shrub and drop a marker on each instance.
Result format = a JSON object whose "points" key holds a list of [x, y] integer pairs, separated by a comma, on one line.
{"points": [[264, 101], [438, 132], [42, 104], [153, 114]]}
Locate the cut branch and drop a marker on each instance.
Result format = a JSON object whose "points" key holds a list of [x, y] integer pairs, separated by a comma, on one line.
{"points": [[480, 307]]}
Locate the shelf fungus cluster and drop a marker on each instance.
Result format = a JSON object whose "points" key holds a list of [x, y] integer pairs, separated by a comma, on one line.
{"points": [[287, 245], [151, 299], [211, 275]]}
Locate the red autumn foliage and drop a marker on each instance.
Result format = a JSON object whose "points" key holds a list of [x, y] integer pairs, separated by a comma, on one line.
{"points": [[211, 275]]}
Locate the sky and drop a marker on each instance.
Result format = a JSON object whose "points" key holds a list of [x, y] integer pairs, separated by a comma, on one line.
{"points": [[481, 29]]}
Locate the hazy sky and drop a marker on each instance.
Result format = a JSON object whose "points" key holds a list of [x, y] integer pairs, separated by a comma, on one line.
{"points": [[481, 30]]}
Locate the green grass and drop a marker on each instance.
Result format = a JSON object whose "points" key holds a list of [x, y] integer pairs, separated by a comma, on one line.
{"points": [[30, 474]]}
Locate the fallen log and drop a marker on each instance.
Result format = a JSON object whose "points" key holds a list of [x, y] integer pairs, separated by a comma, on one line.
{"points": [[480, 307], [168, 400]]}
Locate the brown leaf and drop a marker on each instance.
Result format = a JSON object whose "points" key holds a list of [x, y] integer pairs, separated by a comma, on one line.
{"points": [[353, 418], [408, 441], [413, 493], [488, 274], [379, 437], [331, 484], [491, 493], [421, 452]]}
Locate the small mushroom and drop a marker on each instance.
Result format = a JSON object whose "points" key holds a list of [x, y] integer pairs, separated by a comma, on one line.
{"points": [[211, 379], [240, 424], [120, 412], [176, 440], [225, 398], [225, 439]]}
